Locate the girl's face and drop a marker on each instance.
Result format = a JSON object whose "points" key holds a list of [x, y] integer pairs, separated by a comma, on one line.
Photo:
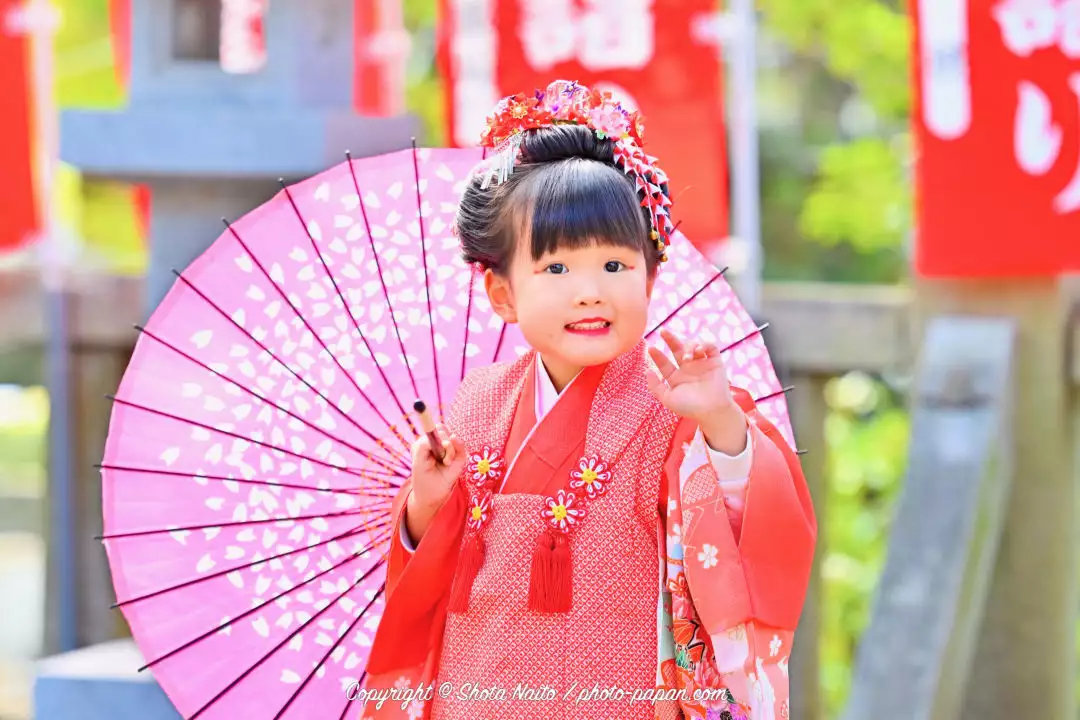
{"points": [[576, 307]]}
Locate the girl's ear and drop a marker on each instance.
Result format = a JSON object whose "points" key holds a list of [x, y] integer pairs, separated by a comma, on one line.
{"points": [[649, 285], [501, 296]]}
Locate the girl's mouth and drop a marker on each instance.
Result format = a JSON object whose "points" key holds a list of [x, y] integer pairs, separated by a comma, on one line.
{"points": [[589, 327]]}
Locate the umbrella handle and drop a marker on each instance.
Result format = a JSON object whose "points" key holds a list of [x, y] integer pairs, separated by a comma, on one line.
{"points": [[428, 425]]}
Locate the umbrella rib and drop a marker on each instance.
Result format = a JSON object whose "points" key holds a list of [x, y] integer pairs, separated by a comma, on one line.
{"points": [[345, 308], [282, 644], [468, 319], [279, 361], [231, 621], [427, 282], [236, 523], [499, 343], [195, 581], [223, 478], [778, 393], [348, 700], [330, 651], [300, 316], [386, 297], [686, 302], [744, 338], [227, 433], [395, 472]]}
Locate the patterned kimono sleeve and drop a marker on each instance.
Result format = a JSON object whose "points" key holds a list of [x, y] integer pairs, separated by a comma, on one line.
{"points": [[735, 578]]}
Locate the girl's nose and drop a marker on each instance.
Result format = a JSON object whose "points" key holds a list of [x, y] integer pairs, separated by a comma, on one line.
{"points": [[588, 294]]}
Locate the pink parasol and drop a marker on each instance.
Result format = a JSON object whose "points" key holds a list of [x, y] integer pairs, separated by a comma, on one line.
{"points": [[262, 427]]}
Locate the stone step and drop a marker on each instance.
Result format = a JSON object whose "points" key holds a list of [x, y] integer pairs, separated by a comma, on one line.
{"points": [[100, 682]]}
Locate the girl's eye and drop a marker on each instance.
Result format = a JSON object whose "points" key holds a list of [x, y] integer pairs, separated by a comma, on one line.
{"points": [[614, 266], [556, 268]]}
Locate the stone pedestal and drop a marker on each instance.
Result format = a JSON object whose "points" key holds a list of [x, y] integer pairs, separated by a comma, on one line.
{"points": [[99, 683]]}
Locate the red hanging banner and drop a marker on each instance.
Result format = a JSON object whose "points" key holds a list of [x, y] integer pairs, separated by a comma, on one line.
{"points": [[643, 51], [382, 51], [19, 213], [997, 125]]}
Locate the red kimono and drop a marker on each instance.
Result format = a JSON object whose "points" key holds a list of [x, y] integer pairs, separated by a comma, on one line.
{"points": [[588, 565]]}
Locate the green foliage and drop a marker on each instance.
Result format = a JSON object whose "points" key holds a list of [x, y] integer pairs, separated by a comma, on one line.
{"points": [[24, 414], [867, 437], [860, 196], [862, 42]]}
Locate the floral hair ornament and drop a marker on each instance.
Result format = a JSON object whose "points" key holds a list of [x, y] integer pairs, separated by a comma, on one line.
{"points": [[569, 103]]}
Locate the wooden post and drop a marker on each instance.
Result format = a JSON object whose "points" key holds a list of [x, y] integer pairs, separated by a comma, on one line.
{"points": [[1025, 662], [914, 657], [95, 369], [808, 409]]}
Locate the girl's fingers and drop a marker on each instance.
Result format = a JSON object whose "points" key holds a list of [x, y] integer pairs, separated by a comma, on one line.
{"points": [[454, 448], [658, 387], [673, 341], [693, 352], [666, 367]]}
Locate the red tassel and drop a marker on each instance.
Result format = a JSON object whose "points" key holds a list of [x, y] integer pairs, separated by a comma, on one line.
{"points": [[551, 581], [469, 564]]}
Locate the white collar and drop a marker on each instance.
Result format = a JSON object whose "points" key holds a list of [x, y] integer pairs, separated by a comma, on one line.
{"points": [[546, 394]]}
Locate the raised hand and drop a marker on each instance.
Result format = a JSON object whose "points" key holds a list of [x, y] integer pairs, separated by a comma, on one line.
{"points": [[696, 387]]}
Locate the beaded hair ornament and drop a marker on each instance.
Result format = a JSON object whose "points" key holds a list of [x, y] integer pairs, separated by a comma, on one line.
{"points": [[566, 102]]}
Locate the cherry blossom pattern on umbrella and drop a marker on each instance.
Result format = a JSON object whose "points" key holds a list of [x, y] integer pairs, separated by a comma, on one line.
{"points": [[259, 434], [592, 475], [563, 511]]}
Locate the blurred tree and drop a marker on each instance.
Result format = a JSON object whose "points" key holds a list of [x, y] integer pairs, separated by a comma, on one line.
{"points": [[847, 188]]}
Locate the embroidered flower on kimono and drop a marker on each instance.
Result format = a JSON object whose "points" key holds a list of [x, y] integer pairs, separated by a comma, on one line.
{"points": [[484, 465], [591, 474], [707, 678], [676, 533], [563, 511], [479, 509], [707, 556], [416, 709], [681, 606]]}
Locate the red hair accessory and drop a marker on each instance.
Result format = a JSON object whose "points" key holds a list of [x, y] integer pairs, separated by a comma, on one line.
{"points": [[566, 102]]}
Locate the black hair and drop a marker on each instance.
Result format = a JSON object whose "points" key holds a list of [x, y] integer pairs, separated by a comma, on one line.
{"points": [[567, 192]]}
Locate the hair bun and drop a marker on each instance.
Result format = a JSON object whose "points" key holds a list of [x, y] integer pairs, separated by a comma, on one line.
{"points": [[563, 142]]}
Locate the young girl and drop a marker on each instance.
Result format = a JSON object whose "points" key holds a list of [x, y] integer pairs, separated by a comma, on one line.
{"points": [[609, 534]]}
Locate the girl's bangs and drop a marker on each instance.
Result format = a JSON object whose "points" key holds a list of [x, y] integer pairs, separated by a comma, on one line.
{"points": [[575, 204]]}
